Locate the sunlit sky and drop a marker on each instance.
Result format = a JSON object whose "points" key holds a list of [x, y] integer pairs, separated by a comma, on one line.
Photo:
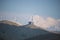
{"points": [[23, 9]]}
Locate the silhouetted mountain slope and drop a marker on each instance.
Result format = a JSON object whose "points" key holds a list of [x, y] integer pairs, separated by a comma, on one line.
{"points": [[45, 37], [12, 32]]}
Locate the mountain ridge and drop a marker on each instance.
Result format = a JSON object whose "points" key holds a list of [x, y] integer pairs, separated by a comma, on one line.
{"points": [[13, 32], [10, 22]]}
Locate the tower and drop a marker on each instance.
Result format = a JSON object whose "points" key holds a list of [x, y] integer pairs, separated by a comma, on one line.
{"points": [[31, 20]]}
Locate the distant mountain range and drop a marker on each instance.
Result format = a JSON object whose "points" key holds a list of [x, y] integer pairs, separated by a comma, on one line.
{"points": [[12, 31]]}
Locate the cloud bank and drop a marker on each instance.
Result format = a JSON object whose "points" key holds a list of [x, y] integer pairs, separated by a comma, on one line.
{"points": [[49, 23]]}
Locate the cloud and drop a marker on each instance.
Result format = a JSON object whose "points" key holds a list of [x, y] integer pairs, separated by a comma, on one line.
{"points": [[48, 23], [39, 21]]}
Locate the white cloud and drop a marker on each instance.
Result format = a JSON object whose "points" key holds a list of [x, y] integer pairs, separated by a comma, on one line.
{"points": [[47, 23]]}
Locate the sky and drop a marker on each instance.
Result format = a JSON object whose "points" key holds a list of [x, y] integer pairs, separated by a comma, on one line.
{"points": [[23, 9]]}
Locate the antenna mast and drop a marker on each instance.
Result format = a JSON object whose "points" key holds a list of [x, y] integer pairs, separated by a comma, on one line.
{"points": [[32, 20]]}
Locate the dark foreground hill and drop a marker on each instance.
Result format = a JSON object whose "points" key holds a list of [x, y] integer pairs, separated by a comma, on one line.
{"points": [[45, 37], [12, 32]]}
